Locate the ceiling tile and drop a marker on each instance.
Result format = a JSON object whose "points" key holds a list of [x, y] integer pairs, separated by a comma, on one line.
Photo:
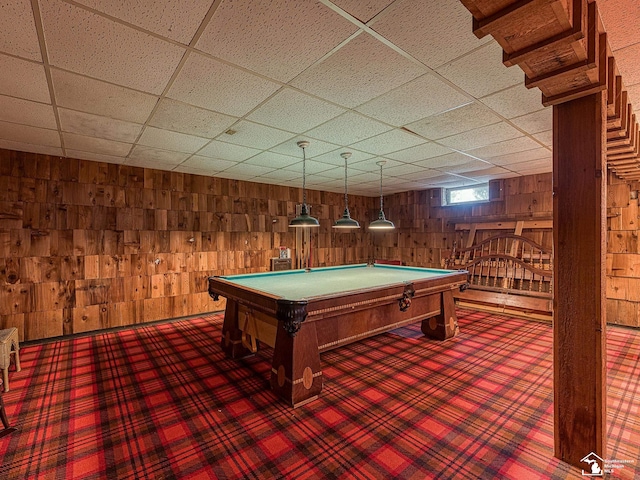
{"points": [[247, 170], [333, 174], [193, 170], [519, 144], [234, 175], [533, 171], [290, 35], [481, 72], [621, 20], [217, 86], [97, 126], [372, 176], [416, 27], [634, 94], [627, 63], [546, 138], [417, 72], [446, 181], [404, 169], [542, 165], [30, 147], [365, 62], [23, 79], [93, 96], [334, 158], [482, 136], [444, 161], [315, 148], [206, 164], [419, 152], [454, 121], [143, 156], [312, 167], [273, 160], [363, 10], [183, 118], [25, 112], [370, 165], [535, 122], [283, 177], [96, 157], [519, 157], [228, 151], [18, 31], [324, 171], [468, 166], [514, 101], [29, 134], [294, 111], [486, 174], [95, 145], [422, 97], [150, 163], [166, 140], [174, 19], [253, 135], [348, 128], [106, 50], [425, 173], [388, 142]]}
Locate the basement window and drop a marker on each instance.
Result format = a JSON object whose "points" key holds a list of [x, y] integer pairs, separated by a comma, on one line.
{"points": [[476, 193]]}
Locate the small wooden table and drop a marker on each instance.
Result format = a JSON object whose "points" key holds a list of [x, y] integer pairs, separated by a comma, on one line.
{"points": [[9, 344]]}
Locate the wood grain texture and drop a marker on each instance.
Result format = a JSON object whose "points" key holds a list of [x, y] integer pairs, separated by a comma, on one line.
{"points": [[89, 245], [579, 278]]}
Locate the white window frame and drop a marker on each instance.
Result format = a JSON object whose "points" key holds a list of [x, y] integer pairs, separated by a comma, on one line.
{"points": [[447, 194]]}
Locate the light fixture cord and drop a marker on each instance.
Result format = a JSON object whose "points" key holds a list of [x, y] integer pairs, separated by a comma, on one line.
{"points": [[381, 188], [346, 198], [304, 177]]}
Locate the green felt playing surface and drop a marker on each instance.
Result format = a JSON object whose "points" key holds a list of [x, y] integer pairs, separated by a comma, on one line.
{"points": [[301, 284]]}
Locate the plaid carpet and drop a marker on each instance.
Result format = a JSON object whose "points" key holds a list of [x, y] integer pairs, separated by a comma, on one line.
{"points": [[163, 402]]}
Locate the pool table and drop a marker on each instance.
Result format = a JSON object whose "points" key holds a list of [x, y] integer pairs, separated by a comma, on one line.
{"points": [[300, 313]]}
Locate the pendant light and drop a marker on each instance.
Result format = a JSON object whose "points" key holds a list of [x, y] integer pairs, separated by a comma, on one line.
{"points": [[381, 223], [304, 220], [346, 221]]}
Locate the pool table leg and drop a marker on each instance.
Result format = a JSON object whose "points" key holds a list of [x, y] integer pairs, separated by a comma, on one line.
{"points": [[231, 333], [295, 373], [445, 324]]}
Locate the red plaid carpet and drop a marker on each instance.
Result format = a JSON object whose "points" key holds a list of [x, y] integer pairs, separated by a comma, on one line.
{"points": [[162, 401]]}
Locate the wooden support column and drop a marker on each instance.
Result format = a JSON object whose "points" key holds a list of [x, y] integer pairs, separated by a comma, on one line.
{"points": [[579, 236]]}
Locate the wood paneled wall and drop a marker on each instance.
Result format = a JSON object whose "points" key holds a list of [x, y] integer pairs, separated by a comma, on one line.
{"points": [[88, 245], [623, 253], [425, 230]]}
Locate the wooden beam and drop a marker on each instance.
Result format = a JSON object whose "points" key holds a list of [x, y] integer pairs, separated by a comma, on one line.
{"points": [[568, 38], [507, 14], [507, 225], [579, 238], [621, 121], [596, 85]]}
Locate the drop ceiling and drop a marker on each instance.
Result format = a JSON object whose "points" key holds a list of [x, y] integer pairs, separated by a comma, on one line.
{"points": [[226, 88]]}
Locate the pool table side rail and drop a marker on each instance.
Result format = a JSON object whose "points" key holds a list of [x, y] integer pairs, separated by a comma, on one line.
{"points": [[255, 298], [223, 285], [323, 305]]}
